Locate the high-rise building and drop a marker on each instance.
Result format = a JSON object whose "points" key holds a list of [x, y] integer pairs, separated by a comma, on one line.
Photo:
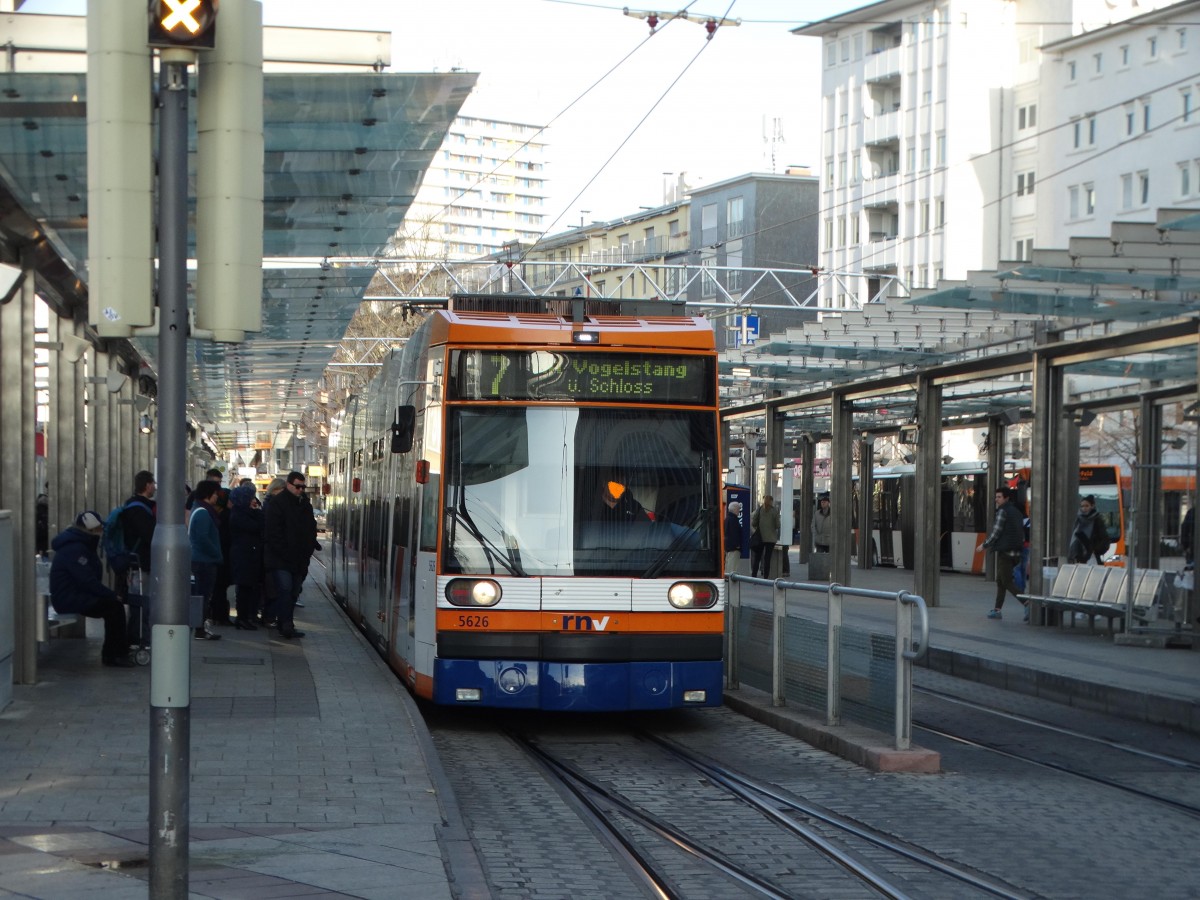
{"points": [[938, 120], [486, 188]]}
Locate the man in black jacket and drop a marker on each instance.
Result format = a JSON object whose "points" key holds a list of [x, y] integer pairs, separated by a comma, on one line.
{"points": [[1007, 539], [290, 540], [139, 519]]}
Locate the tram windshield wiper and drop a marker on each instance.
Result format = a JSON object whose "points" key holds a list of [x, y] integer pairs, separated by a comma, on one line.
{"points": [[509, 558]]}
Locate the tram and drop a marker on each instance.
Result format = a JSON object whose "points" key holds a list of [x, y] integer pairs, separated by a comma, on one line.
{"points": [[968, 510], [524, 512]]}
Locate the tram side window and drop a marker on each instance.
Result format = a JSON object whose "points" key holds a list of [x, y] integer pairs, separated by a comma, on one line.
{"points": [[429, 512]]}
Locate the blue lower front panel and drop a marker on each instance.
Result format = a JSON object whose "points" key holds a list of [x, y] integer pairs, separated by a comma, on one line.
{"points": [[577, 687]]}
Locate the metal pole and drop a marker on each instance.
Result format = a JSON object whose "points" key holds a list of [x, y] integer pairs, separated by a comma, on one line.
{"points": [[170, 673], [779, 617], [833, 657]]}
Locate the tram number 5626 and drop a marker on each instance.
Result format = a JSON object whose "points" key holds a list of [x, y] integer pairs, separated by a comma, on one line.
{"points": [[472, 621]]}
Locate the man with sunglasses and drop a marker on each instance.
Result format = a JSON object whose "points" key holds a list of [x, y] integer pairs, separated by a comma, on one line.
{"points": [[290, 531]]}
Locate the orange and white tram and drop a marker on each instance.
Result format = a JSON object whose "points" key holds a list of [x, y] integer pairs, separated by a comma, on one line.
{"points": [[525, 512]]}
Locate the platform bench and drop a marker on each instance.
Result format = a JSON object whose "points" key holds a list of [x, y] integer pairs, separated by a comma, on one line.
{"points": [[1101, 591], [55, 620]]}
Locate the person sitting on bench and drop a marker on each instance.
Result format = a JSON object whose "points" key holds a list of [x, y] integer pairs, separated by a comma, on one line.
{"points": [[76, 586]]}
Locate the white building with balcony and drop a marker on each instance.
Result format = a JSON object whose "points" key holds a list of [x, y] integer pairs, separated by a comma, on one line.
{"points": [[938, 121], [485, 189]]}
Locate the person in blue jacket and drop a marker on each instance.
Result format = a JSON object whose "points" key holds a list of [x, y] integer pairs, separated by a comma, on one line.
{"points": [[204, 538], [76, 586]]}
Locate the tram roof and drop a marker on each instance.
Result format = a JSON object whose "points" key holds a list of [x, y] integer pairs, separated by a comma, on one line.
{"points": [[676, 332]]}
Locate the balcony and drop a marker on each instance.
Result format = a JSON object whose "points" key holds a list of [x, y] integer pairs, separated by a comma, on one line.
{"points": [[880, 252], [883, 65], [882, 128]]}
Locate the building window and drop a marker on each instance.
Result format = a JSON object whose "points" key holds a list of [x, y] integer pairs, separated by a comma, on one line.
{"points": [[1091, 130], [708, 223], [1185, 179], [1185, 98], [1124, 54], [1098, 62], [1024, 184], [845, 49], [1181, 35], [1024, 249], [1126, 192], [1073, 201], [1130, 118], [1077, 134], [842, 170], [941, 213], [829, 173], [941, 149], [733, 214], [910, 160], [830, 54], [1071, 70], [1146, 116], [924, 158], [924, 217], [1027, 117], [1089, 199], [673, 228], [841, 236], [1144, 188], [1152, 47], [855, 233], [829, 233]]}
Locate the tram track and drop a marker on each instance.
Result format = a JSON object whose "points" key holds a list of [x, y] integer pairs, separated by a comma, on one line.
{"points": [[834, 839], [1074, 770]]}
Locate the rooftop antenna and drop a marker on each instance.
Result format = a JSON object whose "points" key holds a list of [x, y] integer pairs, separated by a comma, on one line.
{"points": [[773, 138]]}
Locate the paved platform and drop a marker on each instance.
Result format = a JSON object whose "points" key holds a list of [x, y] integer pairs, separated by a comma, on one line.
{"points": [[312, 775], [1067, 664]]}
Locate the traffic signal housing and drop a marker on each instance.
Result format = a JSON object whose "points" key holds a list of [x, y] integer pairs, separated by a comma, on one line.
{"points": [[183, 23]]}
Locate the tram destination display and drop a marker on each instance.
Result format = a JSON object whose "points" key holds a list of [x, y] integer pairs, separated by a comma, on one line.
{"points": [[587, 376]]}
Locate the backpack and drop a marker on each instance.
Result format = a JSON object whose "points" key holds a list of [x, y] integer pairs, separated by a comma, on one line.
{"points": [[112, 542]]}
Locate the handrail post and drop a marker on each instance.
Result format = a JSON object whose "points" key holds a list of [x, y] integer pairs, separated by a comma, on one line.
{"points": [[733, 603], [833, 656], [779, 601], [903, 724]]}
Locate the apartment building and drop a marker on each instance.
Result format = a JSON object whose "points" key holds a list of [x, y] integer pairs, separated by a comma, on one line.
{"points": [[937, 118], [485, 189], [625, 258], [1120, 109]]}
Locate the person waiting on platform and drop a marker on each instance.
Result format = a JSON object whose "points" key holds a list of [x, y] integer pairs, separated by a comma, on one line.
{"points": [[1007, 539], [822, 527], [766, 522], [76, 586], [733, 535], [1089, 537]]}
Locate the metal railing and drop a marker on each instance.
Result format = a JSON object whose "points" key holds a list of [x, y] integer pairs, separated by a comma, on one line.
{"points": [[805, 670]]}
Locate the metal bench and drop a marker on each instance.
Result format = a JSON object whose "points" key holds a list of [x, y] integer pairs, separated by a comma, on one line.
{"points": [[1101, 591], [51, 621]]}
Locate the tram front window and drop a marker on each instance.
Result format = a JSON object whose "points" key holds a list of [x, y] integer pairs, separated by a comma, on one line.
{"points": [[580, 491]]}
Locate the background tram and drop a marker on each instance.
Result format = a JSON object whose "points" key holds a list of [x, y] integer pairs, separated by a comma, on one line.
{"points": [[552, 539], [968, 510]]}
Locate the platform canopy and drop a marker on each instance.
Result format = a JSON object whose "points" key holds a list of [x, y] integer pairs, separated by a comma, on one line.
{"points": [[344, 154]]}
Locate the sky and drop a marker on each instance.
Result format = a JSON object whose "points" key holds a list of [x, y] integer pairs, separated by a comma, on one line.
{"points": [[748, 100]]}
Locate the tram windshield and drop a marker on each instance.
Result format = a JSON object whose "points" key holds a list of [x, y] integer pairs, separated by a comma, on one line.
{"points": [[580, 491]]}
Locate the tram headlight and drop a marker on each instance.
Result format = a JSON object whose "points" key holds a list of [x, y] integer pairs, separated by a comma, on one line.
{"points": [[468, 592], [692, 595]]}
